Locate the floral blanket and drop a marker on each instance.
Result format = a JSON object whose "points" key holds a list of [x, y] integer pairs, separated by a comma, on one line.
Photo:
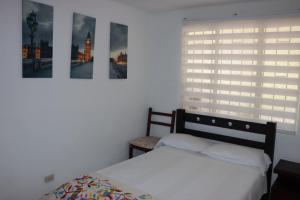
{"points": [[90, 187]]}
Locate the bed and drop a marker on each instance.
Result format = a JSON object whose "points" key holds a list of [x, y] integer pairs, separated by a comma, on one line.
{"points": [[168, 172]]}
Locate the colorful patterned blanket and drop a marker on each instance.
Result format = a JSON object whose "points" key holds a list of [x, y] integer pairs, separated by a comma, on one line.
{"points": [[97, 187]]}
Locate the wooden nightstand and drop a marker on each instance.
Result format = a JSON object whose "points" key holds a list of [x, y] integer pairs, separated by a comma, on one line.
{"points": [[287, 185]]}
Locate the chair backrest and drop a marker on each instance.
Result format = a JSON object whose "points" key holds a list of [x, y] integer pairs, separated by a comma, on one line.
{"points": [[150, 121]]}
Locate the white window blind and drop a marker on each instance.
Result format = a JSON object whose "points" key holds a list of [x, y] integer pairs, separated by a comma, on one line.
{"points": [[245, 69]]}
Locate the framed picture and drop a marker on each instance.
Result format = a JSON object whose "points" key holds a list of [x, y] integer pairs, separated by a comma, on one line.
{"points": [[37, 40], [82, 49], [118, 51]]}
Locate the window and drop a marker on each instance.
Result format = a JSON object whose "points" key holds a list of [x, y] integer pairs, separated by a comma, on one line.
{"points": [[243, 69]]}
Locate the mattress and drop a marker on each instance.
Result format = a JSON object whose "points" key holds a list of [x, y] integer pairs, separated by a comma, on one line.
{"points": [[169, 173]]}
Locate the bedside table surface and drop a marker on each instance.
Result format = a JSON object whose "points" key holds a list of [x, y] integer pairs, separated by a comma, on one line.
{"points": [[288, 168], [147, 142], [286, 186]]}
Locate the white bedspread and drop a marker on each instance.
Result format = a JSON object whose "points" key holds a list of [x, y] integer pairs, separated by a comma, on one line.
{"points": [[172, 174]]}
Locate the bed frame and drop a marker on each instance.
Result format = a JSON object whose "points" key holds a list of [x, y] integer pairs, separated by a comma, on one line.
{"points": [[268, 130]]}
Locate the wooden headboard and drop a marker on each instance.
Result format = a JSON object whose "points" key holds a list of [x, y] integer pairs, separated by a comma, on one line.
{"points": [[268, 130]]}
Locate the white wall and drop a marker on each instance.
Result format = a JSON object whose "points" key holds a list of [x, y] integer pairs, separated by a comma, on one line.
{"points": [[167, 42], [63, 126]]}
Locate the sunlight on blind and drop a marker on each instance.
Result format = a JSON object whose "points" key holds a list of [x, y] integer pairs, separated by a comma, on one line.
{"points": [[243, 69]]}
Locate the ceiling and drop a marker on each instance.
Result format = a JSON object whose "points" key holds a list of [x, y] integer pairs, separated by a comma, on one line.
{"points": [[167, 5]]}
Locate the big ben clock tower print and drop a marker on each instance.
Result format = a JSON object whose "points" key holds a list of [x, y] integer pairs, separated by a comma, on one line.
{"points": [[88, 48], [82, 50]]}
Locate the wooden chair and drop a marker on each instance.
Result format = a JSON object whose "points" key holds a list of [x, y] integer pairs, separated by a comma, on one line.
{"points": [[148, 142]]}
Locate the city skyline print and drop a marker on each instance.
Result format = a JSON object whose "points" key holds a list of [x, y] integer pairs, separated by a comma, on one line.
{"points": [[82, 49], [37, 40], [118, 51]]}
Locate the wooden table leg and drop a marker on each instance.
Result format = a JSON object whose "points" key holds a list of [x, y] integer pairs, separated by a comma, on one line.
{"points": [[130, 151]]}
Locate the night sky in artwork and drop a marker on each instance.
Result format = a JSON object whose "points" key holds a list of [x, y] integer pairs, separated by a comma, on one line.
{"points": [[118, 37], [81, 26], [44, 18]]}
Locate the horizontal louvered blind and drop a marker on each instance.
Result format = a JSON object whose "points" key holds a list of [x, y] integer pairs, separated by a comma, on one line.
{"points": [[243, 69]]}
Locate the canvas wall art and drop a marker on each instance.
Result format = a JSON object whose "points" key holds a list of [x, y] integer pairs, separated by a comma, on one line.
{"points": [[82, 50], [118, 51], [37, 40]]}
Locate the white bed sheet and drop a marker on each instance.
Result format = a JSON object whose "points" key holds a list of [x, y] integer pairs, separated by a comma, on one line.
{"points": [[172, 174]]}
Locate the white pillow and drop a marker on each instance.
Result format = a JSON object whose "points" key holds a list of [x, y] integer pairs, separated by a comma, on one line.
{"points": [[240, 155], [185, 142]]}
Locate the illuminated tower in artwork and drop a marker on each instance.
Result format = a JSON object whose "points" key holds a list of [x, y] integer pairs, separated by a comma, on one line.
{"points": [[88, 48]]}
